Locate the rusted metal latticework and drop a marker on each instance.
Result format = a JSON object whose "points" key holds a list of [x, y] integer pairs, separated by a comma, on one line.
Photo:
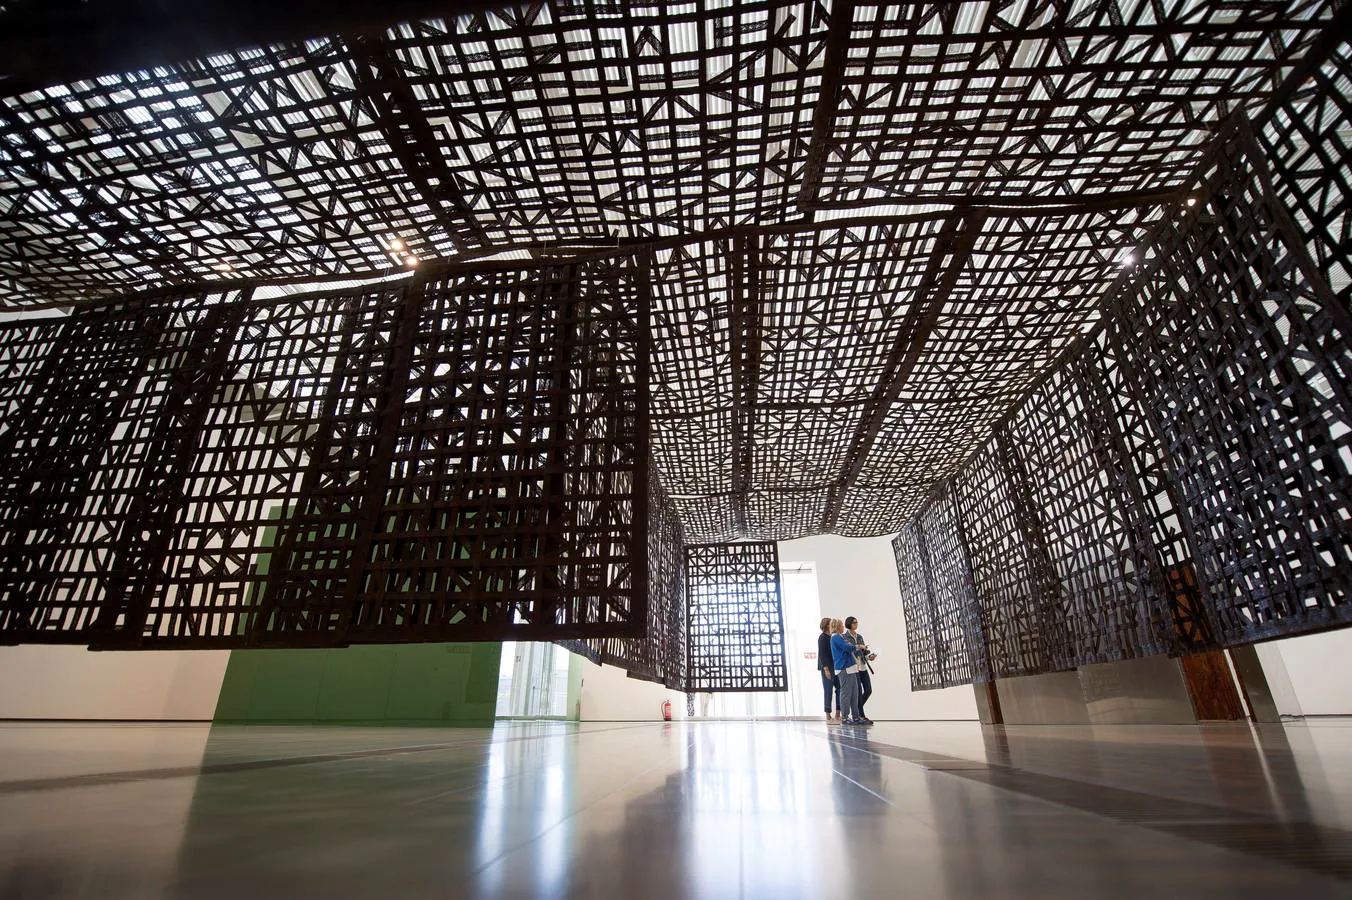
{"points": [[455, 456], [659, 655], [828, 267], [1179, 480], [872, 225], [735, 621], [1251, 367]]}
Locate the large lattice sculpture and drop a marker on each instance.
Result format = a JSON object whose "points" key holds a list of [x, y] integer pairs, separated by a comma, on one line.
{"points": [[459, 456], [717, 620], [1180, 480], [736, 622], [659, 655]]}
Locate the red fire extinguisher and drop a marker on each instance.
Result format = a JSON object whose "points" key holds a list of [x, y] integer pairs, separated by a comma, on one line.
{"points": [[666, 710]]}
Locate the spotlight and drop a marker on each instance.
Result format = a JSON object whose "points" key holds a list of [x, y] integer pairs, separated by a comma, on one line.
{"points": [[395, 242], [411, 261]]}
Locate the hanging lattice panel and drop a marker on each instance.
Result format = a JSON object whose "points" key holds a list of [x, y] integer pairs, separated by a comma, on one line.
{"points": [[93, 459], [1109, 582], [1245, 360], [452, 458], [959, 632], [25, 347], [1002, 298], [1145, 472], [524, 125], [1012, 576], [917, 606], [659, 655], [255, 444], [735, 618], [940, 100], [487, 445], [1307, 140]]}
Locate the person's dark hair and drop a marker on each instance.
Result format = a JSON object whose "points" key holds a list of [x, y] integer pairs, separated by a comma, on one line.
{"points": [[826, 625], [851, 622]]}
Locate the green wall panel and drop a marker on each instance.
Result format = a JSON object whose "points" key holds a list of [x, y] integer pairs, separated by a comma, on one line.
{"points": [[414, 684], [404, 684]]}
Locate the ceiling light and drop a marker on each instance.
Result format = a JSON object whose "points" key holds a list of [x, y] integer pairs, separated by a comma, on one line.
{"points": [[410, 260], [396, 242], [1192, 201], [224, 267]]}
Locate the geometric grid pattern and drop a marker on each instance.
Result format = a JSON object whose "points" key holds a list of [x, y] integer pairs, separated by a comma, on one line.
{"points": [[659, 655], [453, 457], [871, 225], [1180, 480], [1250, 384], [735, 618], [1011, 571], [866, 233], [1040, 99], [481, 440], [944, 621], [577, 123], [93, 452], [1307, 141]]}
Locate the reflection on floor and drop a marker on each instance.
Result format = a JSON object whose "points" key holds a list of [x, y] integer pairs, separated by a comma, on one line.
{"points": [[706, 809]]}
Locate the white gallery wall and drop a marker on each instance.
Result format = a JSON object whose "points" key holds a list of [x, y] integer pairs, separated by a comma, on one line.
{"points": [[610, 695], [858, 577], [1310, 675], [61, 682]]}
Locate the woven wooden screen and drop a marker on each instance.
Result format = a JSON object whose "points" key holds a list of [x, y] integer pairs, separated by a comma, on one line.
{"points": [[735, 618], [905, 262], [455, 457], [1179, 480]]}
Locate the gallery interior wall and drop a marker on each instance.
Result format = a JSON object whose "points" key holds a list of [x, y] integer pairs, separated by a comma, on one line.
{"points": [[63, 682], [858, 577], [396, 684]]}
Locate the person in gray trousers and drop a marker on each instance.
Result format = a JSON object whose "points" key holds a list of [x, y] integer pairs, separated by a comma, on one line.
{"points": [[862, 654], [847, 669]]}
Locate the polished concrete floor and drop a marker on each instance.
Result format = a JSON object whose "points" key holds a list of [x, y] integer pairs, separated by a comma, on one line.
{"points": [[706, 809]]}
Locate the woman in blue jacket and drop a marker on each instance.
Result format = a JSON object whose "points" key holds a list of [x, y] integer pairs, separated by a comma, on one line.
{"points": [[847, 670]]}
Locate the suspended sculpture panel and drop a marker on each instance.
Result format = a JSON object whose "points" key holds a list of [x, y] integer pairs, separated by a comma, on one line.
{"points": [[917, 606], [1104, 106], [860, 259], [578, 123], [451, 458], [508, 127], [1180, 480], [735, 618], [1013, 582], [256, 443], [871, 235], [659, 655], [487, 485], [958, 630], [1250, 367], [1307, 141]]}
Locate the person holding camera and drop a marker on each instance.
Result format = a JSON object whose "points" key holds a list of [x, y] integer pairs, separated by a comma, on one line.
{"points": [[864, 656]]}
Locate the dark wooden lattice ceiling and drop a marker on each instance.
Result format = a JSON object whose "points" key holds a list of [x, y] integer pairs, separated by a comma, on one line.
{"points": [[873, 226]]}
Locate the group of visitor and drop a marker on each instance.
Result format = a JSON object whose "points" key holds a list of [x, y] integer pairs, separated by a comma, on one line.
{"points": [[843, 659]]}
